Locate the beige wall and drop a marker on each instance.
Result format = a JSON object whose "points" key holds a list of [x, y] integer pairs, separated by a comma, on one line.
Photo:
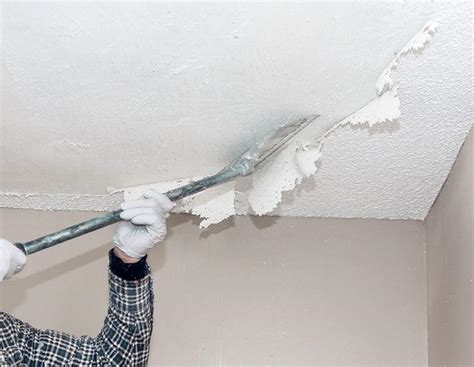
{"points": [[252, 291], [450, 244]]}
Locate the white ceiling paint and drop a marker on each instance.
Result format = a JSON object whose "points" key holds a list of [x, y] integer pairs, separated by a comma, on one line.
{"points": [[97, 95]]}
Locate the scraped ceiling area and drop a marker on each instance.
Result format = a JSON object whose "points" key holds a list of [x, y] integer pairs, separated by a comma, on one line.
{"points": [[99, 98]]}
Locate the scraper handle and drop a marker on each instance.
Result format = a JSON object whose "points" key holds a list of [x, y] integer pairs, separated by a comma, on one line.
{"points": [[106, 220], [69, 233]]}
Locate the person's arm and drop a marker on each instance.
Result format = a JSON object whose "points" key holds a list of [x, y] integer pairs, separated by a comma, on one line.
{"points": [[125, 337]]}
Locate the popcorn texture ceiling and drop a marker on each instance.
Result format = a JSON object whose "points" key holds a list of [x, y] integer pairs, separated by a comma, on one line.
{"points": [[98, 95]]}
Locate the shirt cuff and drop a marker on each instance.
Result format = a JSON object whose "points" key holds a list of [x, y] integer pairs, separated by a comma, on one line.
{"points": [[135, 271], [130, 296]]}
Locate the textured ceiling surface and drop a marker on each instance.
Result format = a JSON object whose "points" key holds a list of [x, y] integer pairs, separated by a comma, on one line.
{"points": [[98, 95]]}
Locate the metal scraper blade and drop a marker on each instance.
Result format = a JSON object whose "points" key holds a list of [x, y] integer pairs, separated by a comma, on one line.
{"points": [[271, 143]]}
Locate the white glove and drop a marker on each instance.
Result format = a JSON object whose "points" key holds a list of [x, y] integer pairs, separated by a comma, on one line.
{"points": [[145, 223], [12, 260]]}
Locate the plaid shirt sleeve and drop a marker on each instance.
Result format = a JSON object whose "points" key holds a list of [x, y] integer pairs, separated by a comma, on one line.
{"points": [[123, 341]]}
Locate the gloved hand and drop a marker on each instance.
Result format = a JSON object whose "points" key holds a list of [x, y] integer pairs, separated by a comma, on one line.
{"points": [[144, 223], [12, 260]]}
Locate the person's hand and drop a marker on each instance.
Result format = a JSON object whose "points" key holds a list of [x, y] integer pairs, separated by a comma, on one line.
{"points": [[12, 260], [144, 225]]}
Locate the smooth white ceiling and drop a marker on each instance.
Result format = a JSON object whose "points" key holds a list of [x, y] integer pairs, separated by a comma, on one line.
{"points": [[98, 95]]}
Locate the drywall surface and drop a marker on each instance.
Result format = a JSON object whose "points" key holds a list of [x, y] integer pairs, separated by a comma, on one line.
{"points": [[99, 95], [253, 291], [450, 244]]}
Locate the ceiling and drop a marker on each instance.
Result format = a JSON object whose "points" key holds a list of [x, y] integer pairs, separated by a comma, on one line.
{"points": [[98, 95]]}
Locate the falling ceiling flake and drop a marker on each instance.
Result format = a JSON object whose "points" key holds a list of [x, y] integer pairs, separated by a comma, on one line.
{"points": [[384, 108], [216, 208]]}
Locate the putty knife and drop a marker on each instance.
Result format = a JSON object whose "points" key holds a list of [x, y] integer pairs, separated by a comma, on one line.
{"points": [[244, 165]]}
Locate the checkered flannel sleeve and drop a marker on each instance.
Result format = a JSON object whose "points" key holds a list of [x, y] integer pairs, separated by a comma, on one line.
{"points": [[123, 341]]}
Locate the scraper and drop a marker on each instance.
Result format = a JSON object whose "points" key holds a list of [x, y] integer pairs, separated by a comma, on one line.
{"points": [[243, 165]]}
